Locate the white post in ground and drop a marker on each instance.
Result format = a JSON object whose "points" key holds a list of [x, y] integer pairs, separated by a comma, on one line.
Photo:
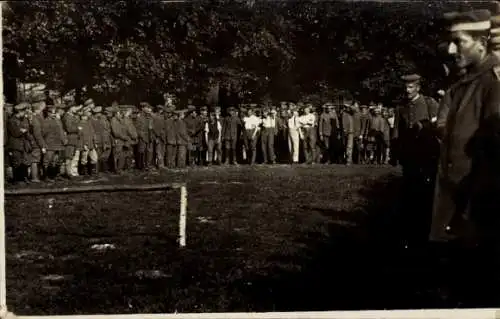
{"points": [[182, 217]]}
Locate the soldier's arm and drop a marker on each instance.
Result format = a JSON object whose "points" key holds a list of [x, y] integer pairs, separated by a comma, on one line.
{"points": [[62, 133], [433, 106], [442, 115], [37, 133]]}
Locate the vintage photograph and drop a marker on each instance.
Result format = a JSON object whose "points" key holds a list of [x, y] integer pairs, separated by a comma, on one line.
{"points": [[250, 156]]}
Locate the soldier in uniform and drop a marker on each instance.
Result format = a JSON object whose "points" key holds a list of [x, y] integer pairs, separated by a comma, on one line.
{"points": [[145, 138], [36, 130], [282, 134], [268, 135], [130, 145], [55, 139], [170, 136], [19, 144], [194, 126], [230, 129], [214, 137], [413, 129], [379, 129], [466, 201], [104, 142], [327, 131], [120, 138], [204, 118], [349, 130], [181, 138], [160, 120], [71, 124], [88, 141]]}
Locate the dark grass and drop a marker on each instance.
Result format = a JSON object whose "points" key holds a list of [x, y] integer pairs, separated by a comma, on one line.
{"points": [[259, 239]]}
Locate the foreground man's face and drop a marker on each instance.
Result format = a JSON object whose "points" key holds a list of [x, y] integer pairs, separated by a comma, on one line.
{"points": [[465, 49]]}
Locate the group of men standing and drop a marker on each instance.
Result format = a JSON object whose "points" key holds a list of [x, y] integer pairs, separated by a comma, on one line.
{"points": [[45, 140], [452, 190]]}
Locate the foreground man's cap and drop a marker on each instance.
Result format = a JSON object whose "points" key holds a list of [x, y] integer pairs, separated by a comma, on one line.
{"points": [[476, 20]]}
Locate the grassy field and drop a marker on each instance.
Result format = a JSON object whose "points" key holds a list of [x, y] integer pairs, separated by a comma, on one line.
{"points": [[259, 239]]}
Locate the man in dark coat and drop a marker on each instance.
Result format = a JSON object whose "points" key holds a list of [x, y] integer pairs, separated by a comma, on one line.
{"points": [[145, 140], [71, 124], [417, 147], [194, 126], [36, 130], [104, 141], [466, 201], [120, 138], [55, 139], [230, 129], [19, 145]]}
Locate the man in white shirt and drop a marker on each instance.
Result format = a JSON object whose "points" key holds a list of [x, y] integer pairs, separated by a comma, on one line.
{"points": [[307, 121], [294, 134], [268, 135], [252, 125]]}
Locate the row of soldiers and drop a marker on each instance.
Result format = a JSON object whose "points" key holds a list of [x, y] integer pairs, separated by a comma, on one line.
{"points": [[47, 140]]}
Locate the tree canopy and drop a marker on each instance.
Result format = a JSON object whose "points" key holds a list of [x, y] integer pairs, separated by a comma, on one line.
{"points": [[135, 50]]}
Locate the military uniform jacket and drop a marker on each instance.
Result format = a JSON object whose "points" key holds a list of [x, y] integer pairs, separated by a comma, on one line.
{"points": [[102, 129], [348, 123], [18, 141], [181, 132], [128, 123], [364, 123], [213, 129], [170, 131], [468, 181], [53, 134], [327, 124], [159, 123], [230, 128], [194, 126], [70, 124], [87, 134], [118, 132], [381, 126], [423, 109], [37, 131], [144, 125]]}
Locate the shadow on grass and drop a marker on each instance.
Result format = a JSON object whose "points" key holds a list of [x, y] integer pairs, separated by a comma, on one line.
{"points": [[352, 265]]}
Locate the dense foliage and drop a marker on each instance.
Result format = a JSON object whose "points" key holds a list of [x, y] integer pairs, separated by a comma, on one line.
{"points": [[137, 49]]}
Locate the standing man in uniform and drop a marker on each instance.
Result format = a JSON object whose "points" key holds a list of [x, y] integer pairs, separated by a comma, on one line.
{"points": [[104, 140], [120, 137], [39, 147], [71, 124], [160, 120], [194, 128], [18, 145], [466, 201], [129, 125], [181, 138], [145, 145], [230, 130], [55, 139], [413, 129], [88, 141], [170, 136]]}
